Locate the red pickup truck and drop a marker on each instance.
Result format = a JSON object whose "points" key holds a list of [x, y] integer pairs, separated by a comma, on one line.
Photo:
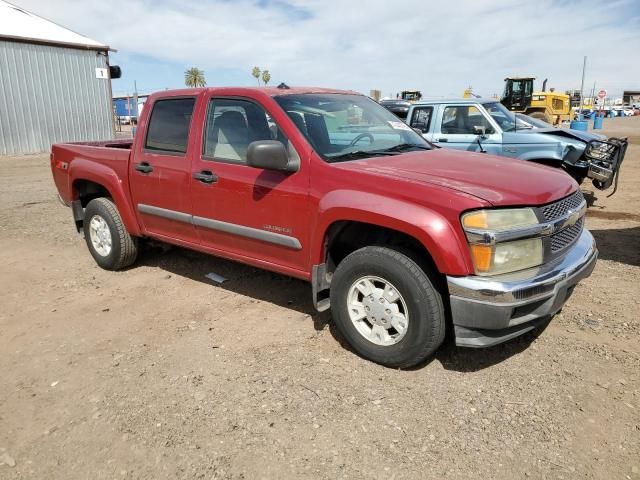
{"points": [[398, 237]]}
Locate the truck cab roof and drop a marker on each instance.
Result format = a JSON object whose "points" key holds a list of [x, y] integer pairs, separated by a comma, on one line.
{"points": [[269, 91], [457, 101]]}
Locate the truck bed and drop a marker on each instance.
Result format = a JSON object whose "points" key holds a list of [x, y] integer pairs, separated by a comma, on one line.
{"points": [[88, 157], [121, 143]]}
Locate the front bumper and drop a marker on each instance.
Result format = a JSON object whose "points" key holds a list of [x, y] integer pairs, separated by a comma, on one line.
{"points": [[490, 310]]}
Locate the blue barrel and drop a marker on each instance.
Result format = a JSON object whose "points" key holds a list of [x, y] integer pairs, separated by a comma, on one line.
{"points": [[612, 113], [579, 125], [597, 122]]}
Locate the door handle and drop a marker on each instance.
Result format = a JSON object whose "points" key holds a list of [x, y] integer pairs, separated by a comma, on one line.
{"points": [[442, 140], [206, 176], [144, 167]]}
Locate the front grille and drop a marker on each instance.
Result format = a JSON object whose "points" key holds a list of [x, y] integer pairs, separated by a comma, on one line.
{"points": [[566, 237], [558, 209]]}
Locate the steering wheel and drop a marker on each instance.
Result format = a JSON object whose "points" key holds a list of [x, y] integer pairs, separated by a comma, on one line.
{"points": [[360, 137]]}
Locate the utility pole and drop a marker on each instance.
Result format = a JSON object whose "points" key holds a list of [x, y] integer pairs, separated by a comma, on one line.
{"points": [[584, 67]]}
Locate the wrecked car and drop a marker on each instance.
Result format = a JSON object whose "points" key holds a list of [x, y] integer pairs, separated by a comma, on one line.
{"points": [[485, 125]]}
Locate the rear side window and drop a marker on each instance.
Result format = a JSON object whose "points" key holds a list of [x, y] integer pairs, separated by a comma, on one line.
{"points": [[169, 125], [421, 118]]}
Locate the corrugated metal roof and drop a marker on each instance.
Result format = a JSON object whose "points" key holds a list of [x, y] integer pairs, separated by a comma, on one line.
{"points": [[19, 24]]}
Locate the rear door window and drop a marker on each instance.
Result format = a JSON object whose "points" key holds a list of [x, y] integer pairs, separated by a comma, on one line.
{"points": [[168, 130], [421, 118]]}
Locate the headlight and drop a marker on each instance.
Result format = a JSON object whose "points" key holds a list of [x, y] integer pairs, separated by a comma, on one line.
{"points": [[499, 220], [491, 257], [599, 150], [507, 257]]}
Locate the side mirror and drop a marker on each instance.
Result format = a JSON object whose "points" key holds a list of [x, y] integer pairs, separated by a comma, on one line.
{"points": [[270, 155], [480, 130]]}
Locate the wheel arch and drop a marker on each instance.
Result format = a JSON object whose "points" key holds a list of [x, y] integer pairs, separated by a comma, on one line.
{"points": [[90, 180], [542, 156], [433, 235], [426, 236]]}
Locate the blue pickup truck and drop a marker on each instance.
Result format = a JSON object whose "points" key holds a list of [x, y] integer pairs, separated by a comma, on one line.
{"points": [[485, 125]]}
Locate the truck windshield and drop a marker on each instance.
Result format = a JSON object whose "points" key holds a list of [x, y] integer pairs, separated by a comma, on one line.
{"points": [[504, 117], [344, 127]]}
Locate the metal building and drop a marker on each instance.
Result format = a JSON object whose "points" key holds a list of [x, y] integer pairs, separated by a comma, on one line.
{"points": [[55, 84], [631, 97]]}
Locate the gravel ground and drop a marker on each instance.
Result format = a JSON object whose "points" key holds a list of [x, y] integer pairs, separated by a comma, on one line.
{"points": [[157, 372]]}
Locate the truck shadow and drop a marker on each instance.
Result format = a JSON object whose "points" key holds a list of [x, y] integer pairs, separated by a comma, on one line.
{"points": [[619, 244], [295, 294], [242, 279], [467, 360]]}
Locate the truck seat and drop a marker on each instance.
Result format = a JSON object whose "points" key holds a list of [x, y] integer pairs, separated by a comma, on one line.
{"points": [[317, 130], [231, 134], [298, 119]]}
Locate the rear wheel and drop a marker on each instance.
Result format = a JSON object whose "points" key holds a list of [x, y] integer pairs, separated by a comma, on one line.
{"points": [[386, 307], [107, 238]]}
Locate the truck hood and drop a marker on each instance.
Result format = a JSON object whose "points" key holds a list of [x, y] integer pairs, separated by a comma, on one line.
{"points": [[567, 133], [497, 180]]}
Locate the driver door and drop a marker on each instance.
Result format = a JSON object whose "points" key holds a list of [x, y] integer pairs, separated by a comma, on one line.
{"points": [[260, 216], [460, 127]]}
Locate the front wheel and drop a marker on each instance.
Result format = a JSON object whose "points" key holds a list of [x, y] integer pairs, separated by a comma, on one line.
{"points": [[107, 238], [540, 116], [386, 307], [578, 174]]}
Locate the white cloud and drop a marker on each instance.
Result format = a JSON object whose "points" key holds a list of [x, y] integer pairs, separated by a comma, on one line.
{"points": [[438, 47]]}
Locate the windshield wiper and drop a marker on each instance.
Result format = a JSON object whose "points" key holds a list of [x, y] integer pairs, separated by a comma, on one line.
{"points": [[401, 147], [357, 154], [395, 150]]}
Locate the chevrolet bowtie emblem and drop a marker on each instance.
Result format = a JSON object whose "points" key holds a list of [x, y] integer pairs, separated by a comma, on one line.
{"points": [[572, 218]]}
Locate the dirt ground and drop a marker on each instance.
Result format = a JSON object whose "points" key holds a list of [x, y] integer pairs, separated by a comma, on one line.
{"points": [[157, 372]]}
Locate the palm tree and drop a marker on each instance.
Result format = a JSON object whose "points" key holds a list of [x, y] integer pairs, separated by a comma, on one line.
{"points": [[266, 76], [194, 77], [256, 73]]}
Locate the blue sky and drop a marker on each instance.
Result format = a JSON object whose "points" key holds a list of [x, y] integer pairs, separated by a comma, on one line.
{"points": [[437, 47]]}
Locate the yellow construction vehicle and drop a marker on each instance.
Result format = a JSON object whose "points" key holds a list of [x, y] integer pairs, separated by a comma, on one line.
{"points": [[411, 95], [550, 106]]}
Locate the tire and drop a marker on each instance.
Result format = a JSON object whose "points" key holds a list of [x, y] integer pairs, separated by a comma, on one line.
{"points": [[425, 313], [578, 174], [540, 116], [113, 250]]}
